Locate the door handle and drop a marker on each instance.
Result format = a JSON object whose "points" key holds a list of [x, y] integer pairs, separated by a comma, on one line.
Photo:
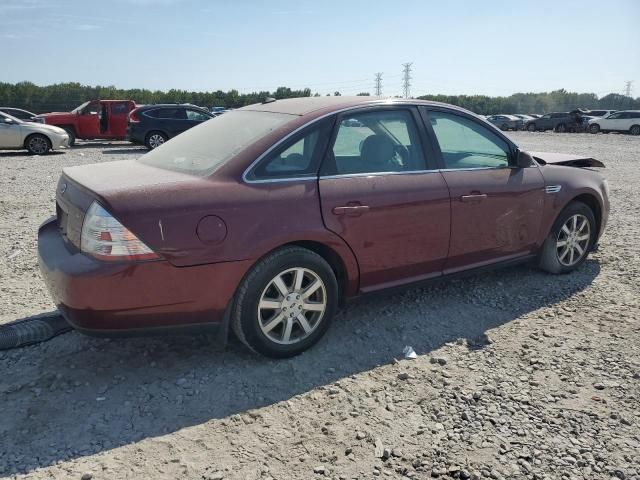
{"points": [[350, 210], [476, 197]]}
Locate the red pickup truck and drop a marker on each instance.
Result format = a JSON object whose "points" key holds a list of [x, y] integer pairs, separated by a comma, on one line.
{"points": [[95, 119]]}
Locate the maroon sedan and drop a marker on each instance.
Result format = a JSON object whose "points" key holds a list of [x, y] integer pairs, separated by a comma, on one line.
{"points": [[268, 217]]}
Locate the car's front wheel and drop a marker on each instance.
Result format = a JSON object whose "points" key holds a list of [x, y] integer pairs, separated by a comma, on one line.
{"points": [[154, 140], [38, 144], [72, 136], [531, 127], [570, 240], [594, 128], [561, 128], [635, 130], [285, 303]]}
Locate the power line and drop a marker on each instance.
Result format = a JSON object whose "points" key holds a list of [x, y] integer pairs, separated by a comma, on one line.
{"points": [[379, 84], [406, 79]]}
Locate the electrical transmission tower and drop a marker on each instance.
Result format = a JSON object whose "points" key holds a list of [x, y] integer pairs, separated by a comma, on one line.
{"points": [[379, 84], [627, 88], [406, 79]]}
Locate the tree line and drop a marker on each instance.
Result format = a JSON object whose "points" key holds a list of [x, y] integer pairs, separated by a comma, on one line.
{"points": [[67, 96]]}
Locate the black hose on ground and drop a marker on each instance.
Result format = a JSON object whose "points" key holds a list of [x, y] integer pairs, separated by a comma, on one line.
{"points": [[36, 329]]}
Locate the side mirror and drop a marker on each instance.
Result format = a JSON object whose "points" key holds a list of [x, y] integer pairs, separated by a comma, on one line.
{"points": [[524, 159]]}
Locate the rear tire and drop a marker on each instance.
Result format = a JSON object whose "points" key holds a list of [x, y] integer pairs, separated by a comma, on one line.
{"points": [[279, 316], [37, 144], [72, 136], [504, 127], [531, 127], [594, 128], [559, 253], [634, 130], [154, 139]]}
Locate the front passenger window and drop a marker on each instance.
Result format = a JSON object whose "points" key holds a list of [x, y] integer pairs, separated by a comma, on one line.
{"points": [[466, 144]]}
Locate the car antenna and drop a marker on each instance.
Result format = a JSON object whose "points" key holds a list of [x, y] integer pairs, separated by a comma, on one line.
{"points": [[268, 100]]}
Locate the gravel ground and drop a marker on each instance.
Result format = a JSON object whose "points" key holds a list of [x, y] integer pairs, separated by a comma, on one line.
{"points": [[519, 374]]}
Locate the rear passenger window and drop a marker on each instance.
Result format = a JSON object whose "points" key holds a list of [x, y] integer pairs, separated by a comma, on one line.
{"points": [[375, 142], [467, 144], [197, 116], [172, 113], [295, 160], [120, 108]]}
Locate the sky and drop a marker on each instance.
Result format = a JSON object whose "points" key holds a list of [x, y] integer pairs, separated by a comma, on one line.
{"points": [[491, 47]]}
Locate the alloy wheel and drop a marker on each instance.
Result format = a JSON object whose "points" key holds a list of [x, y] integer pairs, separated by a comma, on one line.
{"points": [[573, 240], [156, 140], [292, 306], [38, 145]]}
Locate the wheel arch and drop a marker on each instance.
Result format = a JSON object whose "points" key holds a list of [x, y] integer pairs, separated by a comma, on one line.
{"points": [[26, 139], [593, 203]]}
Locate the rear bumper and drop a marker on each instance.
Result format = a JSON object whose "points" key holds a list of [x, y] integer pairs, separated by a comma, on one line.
{"points": [[135, 134], [101, 298]]}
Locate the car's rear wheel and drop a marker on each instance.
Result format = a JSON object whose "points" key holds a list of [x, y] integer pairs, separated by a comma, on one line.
{"points": [[531, 127], [570, 239], [37, 144], [154, 140], [285, 303], [561, 128], [594, 128], [72, 136], [635, 130], [504, 127]]}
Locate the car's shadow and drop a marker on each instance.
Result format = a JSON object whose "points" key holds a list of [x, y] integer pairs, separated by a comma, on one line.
{"points": [[112, 151], [76, 396], [24, 153]]}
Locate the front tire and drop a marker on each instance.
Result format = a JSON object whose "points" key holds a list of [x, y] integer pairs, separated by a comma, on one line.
{"points": [[72, 136], [561, 128], [594, 128], [285, 303], [570, 240], [37, 144], [154, 140], [635, 130], [531, 127]]}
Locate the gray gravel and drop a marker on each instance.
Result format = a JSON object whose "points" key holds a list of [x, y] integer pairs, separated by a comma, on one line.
{"points": [[519, 374]]}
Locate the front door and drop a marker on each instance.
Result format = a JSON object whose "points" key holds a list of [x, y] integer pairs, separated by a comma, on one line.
{"points": [[379, 193], [89, 121], [496, 207]]}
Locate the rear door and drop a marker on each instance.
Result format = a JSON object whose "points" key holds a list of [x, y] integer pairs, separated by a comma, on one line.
{"points": [[381, 192], [118, 116], [10, 135], [496, 207]]}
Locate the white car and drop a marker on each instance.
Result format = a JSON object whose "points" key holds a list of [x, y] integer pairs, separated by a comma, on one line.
{"points": [[621, 121], [37, 138]]}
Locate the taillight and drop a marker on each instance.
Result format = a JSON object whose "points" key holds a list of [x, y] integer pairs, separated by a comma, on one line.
{"points": [[133, 117], [104, 238]]}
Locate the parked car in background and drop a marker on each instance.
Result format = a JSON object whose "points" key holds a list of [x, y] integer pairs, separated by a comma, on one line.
{"points": [[267, 218], [152, 125], [534, 115], [24, 115], [524, 118], [506, 122], [627, 121], [37, 139], [556, 121], [97, 119], [599, 113]]}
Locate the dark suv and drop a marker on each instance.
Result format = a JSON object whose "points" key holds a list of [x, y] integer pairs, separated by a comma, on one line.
{"points": [[152, 125], [557, 121]]}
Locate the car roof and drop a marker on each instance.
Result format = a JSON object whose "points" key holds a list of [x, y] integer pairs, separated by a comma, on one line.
{"points": [[169, 105], [305, 105]]}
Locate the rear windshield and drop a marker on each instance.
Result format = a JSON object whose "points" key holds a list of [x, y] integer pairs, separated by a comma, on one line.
{"points": [[202, 149]]}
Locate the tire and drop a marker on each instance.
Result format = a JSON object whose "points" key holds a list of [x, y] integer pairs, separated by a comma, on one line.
{"points": [[72, 136], [251, 323], [561, 128], [504, 127], [531, 127], [634, 130], [553, 258], [594, 128], [154, 139], [37, 144]]}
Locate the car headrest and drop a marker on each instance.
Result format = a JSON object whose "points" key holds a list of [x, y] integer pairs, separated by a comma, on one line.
{"points": [[377, 150]]}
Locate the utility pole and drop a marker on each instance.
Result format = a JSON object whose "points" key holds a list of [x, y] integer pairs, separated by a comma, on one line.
{"points": [[406, 79], [379, 84], [627, 88]]}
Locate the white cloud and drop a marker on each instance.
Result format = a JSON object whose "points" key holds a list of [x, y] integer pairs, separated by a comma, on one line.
{"points": [[86, 27]]}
